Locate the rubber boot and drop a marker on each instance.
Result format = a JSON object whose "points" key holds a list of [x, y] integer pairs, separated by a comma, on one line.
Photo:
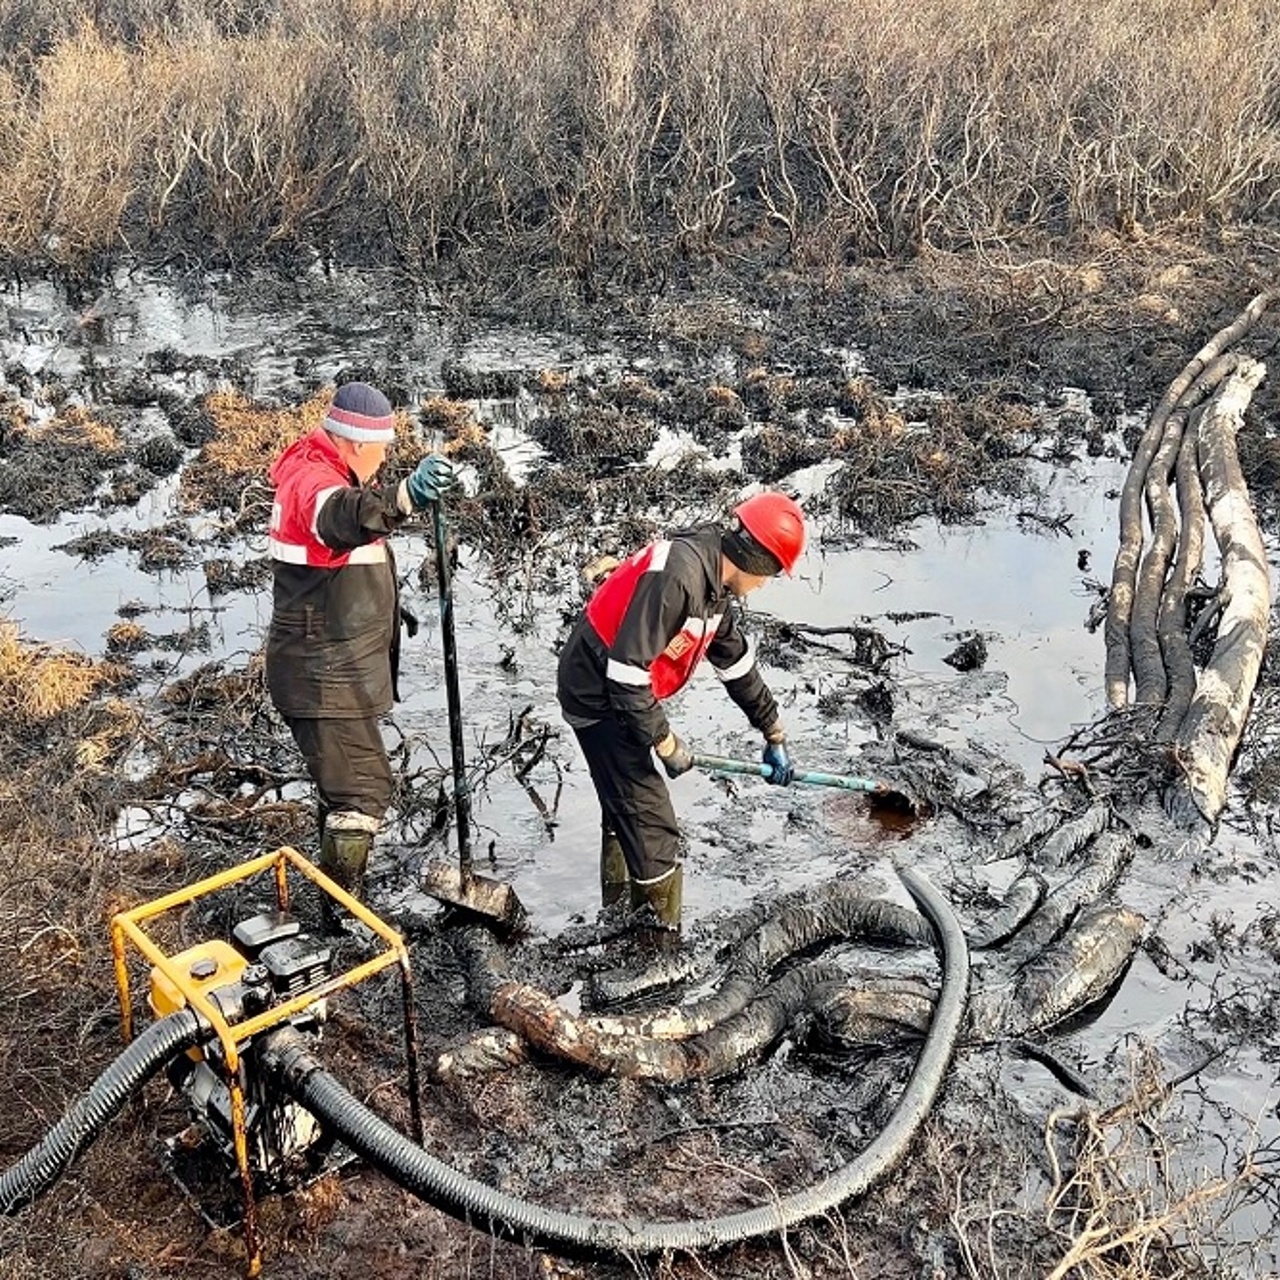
{"points": [[664, 895], [344, 857], [614, 876]]}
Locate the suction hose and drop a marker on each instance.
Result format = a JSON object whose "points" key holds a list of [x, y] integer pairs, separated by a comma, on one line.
{"points": [[45, 1163], [508, 1217]]}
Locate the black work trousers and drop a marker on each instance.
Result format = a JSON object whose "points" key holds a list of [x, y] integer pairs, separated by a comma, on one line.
{"points": [[634, 801], [348, 763]]}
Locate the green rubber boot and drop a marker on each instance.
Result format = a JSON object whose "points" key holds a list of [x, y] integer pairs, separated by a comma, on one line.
{"points": [[664, 895], [614, 876], [344, 856]]}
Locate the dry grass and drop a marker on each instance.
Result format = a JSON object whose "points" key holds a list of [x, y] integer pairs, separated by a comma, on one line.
{"points": [[613, 142], [75, 428], [56, 463], [231, 469], [39, 682], [455, 421]]}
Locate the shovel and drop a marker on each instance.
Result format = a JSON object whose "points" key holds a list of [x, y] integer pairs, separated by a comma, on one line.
{"points": [[460, 886], [878, 790]]}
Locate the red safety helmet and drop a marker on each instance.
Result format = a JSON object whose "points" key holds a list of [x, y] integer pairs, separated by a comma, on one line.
{"points": [[776, 523]]}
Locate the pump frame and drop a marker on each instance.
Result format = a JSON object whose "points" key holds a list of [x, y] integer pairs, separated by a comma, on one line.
{"points": [[126, 927]]}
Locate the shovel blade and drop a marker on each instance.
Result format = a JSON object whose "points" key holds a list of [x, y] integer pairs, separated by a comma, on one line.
{"points": [[479, 895]]}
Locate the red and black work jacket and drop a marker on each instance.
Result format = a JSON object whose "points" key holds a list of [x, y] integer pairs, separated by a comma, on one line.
{"points": [[644, 631], [333, 647]]}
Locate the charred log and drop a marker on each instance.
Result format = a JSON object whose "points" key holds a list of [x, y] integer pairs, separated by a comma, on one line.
{"points": [[1024, 895], [1056, 983]]}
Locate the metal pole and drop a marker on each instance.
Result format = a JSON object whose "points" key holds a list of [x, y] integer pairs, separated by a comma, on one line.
{"points": [[461, 791]]}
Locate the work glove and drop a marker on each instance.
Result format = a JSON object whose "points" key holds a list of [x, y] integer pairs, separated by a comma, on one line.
{"points": [[677, 758], [430, 480], [781, 770]]}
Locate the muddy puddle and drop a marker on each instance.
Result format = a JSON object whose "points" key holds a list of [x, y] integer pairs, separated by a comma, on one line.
{"points": [[1023, 580]]}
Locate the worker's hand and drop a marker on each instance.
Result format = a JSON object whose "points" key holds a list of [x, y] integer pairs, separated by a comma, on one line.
{"points": [[431, 479], [776, 756], [675, 756]]}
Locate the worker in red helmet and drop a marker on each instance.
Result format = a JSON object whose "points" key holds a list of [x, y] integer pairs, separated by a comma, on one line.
{"points": [[645, 629]]}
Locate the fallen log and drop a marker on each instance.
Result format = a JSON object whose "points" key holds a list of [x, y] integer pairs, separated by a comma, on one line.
{"points": [[1063, 845], [535, 1015], [709, 1037], [1150, 672], [1171, 622], [1124, 571], [1024, 895], [1206, 741], [1108, 857]]}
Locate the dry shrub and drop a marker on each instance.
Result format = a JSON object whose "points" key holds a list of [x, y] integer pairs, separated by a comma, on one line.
{"points": [[78, 151], [246, 155], [15, 232], [614, 141], [1115, 1210], [462, 114]]}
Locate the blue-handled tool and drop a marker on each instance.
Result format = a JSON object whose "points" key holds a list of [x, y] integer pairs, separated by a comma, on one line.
{"points": [[874, 787], [724, 765]]}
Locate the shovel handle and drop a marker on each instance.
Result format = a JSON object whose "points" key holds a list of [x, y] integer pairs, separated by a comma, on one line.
{"points": [[723, 764], [461, 787]]}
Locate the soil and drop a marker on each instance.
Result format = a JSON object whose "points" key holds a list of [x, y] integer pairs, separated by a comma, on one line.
{"points": [[963, 350]]}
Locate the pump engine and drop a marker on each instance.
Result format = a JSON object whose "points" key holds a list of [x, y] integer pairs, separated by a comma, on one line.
{"points": [[269, 961]]}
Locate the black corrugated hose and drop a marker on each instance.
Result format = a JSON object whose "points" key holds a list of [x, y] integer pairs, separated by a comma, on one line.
{"points": [[508, 1217], [46, 1162]]}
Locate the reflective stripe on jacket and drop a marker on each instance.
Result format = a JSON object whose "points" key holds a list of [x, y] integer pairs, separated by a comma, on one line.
{"points": [[333, 644], [644, 632]]}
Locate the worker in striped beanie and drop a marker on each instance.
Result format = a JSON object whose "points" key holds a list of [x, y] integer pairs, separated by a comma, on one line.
{"points": [[333, 646]]}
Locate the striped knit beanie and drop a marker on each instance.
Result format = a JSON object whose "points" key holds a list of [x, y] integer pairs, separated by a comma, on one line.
{"points": [[362, 413]]}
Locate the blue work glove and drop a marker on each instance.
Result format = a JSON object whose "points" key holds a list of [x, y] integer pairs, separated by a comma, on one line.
{"points": [[781, 770], [677, 760], [431, 478]]}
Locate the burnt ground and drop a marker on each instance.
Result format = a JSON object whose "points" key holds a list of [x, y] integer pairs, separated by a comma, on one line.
{"points": [[1117, 318]]}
